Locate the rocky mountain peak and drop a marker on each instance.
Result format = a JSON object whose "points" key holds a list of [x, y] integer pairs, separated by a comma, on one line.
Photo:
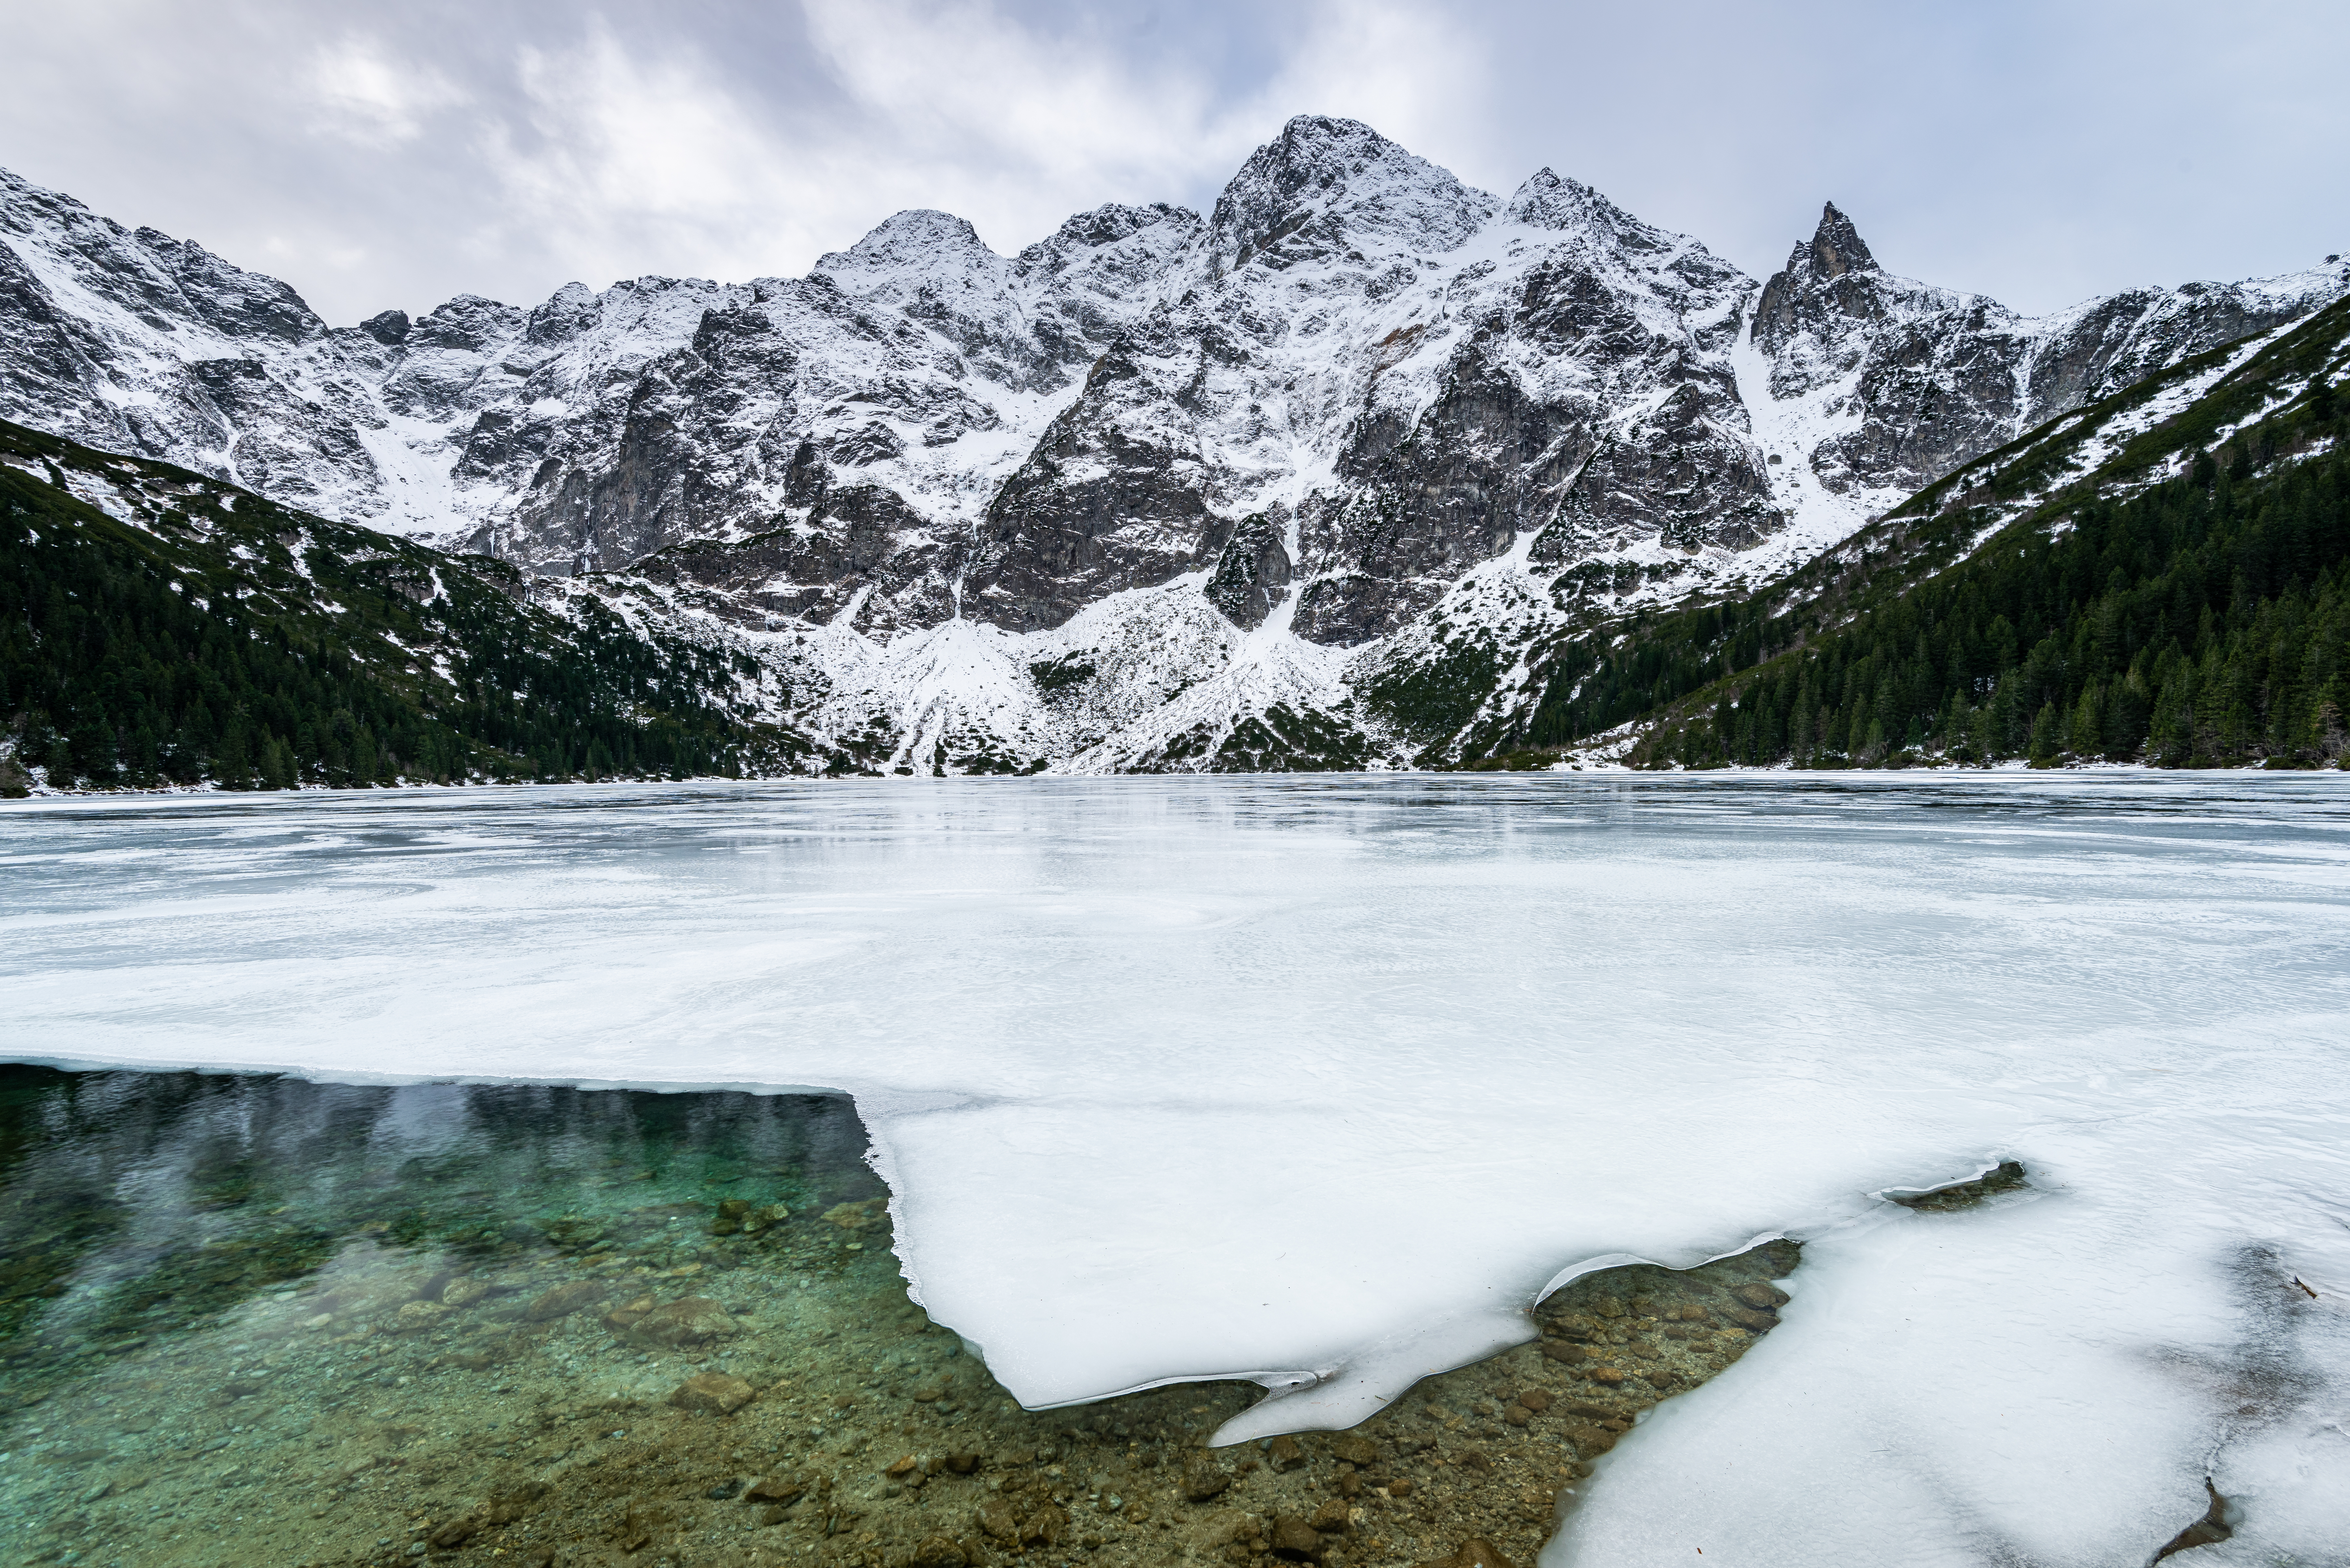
{"points": [[148, 275], [934, 267], [1105, 225], [1321, 166], [917, 246], [1124, 241], [468, 323], [564, 315], [389, 328], [15, 189], [1822, 284], [1835, 248], [1334, 413], [1546, 200], [1569, 207]]}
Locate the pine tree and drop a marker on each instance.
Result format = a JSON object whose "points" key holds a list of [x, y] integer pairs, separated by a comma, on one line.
{"points": [[2043, 737]]}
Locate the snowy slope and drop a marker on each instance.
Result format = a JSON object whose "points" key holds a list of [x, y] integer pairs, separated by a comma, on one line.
{"points": [[1255, 464]]}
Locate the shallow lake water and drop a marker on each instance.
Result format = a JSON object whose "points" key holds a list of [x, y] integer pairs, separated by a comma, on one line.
{"points": [[1307, 1085], [249, 1319]]}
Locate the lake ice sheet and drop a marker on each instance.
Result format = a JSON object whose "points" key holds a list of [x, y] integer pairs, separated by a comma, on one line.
{"points": [[1322, 1082]]}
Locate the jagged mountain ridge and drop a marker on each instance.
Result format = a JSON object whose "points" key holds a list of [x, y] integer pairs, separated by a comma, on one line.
{"points": [[1359, 400], [1930, 376]]}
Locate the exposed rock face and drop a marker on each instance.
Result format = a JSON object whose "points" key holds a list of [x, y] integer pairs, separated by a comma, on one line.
{"points": [[1590, 399], [1113, 497], [1358, 392], [132, 341], [1462, 369]]}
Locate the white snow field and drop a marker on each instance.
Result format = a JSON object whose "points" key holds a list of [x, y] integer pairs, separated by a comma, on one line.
{"points": [[1322, 1081]]}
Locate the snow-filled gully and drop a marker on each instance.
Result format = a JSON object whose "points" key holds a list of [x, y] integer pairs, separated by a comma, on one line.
{"points": [[1322, 1084]]}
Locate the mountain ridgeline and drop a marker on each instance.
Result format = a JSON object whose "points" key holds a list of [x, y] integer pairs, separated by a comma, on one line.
{"points": [[1362, 467]]}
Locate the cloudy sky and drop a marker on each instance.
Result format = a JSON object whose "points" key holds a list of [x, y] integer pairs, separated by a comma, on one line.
{"points": [[379, 153]]}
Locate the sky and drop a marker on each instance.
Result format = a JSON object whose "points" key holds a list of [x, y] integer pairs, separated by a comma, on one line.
{"points": [[391, 153]]}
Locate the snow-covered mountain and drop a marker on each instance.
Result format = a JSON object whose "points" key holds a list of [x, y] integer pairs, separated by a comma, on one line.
{"points": [[1303, 482]]}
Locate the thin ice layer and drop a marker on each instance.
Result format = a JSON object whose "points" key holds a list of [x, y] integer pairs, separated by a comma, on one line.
{"points": [[1324, 1083], [2048, 1378]]}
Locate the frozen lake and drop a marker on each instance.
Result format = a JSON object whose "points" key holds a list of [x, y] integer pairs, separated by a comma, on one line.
{"points": [[1323, 1082]]}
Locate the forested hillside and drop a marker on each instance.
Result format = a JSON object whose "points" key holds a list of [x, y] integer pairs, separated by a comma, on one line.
{"points": [[215, 636], [2058, 599], [2201, 623]]}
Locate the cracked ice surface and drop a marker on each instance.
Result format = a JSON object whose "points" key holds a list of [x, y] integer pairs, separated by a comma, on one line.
{"points": [[1322, 1081]]}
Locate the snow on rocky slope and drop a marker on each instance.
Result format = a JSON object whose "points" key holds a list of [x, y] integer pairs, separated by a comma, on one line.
{"points": [[1160, 490]]}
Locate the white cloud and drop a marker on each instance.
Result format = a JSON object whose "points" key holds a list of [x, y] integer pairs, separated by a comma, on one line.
{"points": [[606, 149], [963, 86], [622, 162], [395, 151], [367, 95], [625, 159], [1017, 129], [622, 134]]}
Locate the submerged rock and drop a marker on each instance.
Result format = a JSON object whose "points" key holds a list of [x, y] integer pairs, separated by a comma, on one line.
{"points": [[564, 1300], [416, 1316], [465, 1292], [695, 1320], [627, 1315], [713, 1393], [1295, 1540], [2208, 1530], [1204, 1478], [854, 1217], [781, 1489]]}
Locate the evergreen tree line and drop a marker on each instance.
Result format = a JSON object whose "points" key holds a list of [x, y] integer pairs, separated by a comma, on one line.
{"points": [[130, 657], [1593, 687], [1825, 632], [2202, 623]]}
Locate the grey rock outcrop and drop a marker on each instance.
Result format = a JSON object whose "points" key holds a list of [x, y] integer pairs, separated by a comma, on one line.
{"points": [[1566, 375]]}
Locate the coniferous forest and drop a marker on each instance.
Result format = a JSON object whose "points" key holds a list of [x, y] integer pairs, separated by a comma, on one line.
{"points": [[2204, 623], [226, 638]]}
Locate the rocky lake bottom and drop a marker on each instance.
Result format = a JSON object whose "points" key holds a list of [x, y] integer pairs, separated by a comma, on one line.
{"points": [[250, 1321]]}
